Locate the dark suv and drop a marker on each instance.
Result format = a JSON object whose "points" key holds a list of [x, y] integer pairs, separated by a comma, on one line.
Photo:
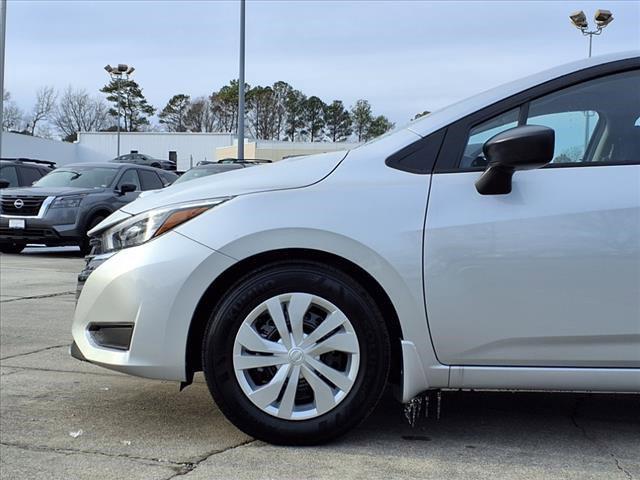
{"points": [[62, 206], [142, 159], [21, 172]]}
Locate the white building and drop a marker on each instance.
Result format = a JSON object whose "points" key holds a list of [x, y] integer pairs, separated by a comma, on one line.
{"points": [[185, 148]]}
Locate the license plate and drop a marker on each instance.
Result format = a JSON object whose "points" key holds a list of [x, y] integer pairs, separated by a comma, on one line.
{"points": [[17, 223]]}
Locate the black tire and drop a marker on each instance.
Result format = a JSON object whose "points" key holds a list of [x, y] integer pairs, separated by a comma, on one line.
{"points": [[13, 247], [305, 277], [85, 247]]}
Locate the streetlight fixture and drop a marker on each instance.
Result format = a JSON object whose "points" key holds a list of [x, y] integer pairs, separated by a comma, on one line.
{"points": [[602, 18], [117, 74]]}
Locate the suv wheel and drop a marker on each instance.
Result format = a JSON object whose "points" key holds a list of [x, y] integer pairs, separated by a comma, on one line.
{"points": [[85, 247], [14, 247], [296, 353]]}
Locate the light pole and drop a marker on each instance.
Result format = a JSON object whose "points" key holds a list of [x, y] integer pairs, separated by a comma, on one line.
{"points": [[3, 27], [579, 20], [602, 18], [118, 73], [241, 87]]}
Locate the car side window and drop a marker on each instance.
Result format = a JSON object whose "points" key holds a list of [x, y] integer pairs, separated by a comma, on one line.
{"points": [[594, 121], [150, 180], [473, 156], [130, 176], [9, 173], [29, 175]]}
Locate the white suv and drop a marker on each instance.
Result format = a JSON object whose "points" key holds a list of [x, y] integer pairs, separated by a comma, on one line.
{"points": [[430, 258]]}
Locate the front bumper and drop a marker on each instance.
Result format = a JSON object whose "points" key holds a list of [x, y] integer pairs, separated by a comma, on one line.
{"points": [[39, 230], [154, 288]]}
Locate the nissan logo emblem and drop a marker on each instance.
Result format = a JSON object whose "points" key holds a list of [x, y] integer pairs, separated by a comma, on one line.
{"points": [[18, 203]]}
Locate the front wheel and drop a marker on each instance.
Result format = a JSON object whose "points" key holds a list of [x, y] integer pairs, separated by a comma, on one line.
{"points": [[296, 354]]}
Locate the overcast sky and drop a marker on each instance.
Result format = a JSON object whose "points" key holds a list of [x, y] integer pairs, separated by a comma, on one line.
{"points": [[403, 56]]}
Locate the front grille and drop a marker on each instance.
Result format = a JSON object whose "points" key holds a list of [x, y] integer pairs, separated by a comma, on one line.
{"points": [[28, 233], [29, 208]]}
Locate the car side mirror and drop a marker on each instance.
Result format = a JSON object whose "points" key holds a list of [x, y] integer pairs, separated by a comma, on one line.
{"points": [[521, 148], [127, 187], [4, 183]]}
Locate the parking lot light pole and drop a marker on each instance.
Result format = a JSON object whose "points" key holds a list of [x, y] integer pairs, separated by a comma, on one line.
{"points": [[602, 19], [241, 87], [579, 20], [3, 27], [117, 74]]}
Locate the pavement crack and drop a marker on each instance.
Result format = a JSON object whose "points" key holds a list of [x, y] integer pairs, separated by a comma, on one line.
{"points": [[35, 297], [34, 351], [74, 451], [620, 467], [573, 415], [191, 466]]}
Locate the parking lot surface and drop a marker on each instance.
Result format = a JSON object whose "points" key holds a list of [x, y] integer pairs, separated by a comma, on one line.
{"points": [[63, 419]]}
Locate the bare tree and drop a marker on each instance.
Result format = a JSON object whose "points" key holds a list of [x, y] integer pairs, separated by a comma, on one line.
{"points": [[12, 116], [42, 110], [77, 112], [200, 116]]}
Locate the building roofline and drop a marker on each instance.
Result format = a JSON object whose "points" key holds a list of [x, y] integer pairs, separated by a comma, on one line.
{"points": [[160, 133]]}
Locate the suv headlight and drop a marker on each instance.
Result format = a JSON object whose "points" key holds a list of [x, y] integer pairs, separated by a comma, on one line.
{"points": [[71, 201], [147, 225]]}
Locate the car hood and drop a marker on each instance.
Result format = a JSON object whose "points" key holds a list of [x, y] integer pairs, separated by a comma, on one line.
{"points": [[291, 173], [50, 191]]}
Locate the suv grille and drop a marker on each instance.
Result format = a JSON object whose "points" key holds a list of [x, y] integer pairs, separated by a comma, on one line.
{"points": [[30, 205]]}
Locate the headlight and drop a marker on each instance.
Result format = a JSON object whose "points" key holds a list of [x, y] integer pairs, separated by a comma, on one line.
{"points": [[143, 227], [67, 202]]}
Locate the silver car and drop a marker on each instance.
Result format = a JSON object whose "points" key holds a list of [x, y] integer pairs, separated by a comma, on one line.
{"points": [[492, 245]]}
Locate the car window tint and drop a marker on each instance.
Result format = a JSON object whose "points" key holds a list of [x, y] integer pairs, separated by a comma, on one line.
{"points": [[573, 130], [9, 173], [130, 176], [167, 178], [29, 175], [595, 121], [473, 156], [150, 180]]}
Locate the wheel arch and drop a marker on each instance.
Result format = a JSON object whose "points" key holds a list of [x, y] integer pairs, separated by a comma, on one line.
{"points": [[98, 210], [223, 282]]}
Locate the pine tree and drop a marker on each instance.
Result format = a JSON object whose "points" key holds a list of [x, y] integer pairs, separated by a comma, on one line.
{"points": [[314, 116], [338, 122], [174, 114], [134, 108]]}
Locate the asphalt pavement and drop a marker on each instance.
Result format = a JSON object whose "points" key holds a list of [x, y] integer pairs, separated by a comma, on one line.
{"points": [[64, 419]]}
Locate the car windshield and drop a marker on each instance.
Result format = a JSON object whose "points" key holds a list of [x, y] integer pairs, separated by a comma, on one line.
{"points": [[199, 172], [88, 177]]}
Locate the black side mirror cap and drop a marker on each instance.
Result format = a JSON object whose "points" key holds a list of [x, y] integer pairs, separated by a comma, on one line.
{"points": [[521, 148], [4, 183], [127, 187]]}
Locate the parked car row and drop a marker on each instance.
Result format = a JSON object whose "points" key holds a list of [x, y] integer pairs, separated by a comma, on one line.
{"points": [[147, 160], [57, 207]]}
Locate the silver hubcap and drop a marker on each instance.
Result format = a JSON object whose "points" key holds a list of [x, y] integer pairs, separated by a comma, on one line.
{"points": [[296, 356]]}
